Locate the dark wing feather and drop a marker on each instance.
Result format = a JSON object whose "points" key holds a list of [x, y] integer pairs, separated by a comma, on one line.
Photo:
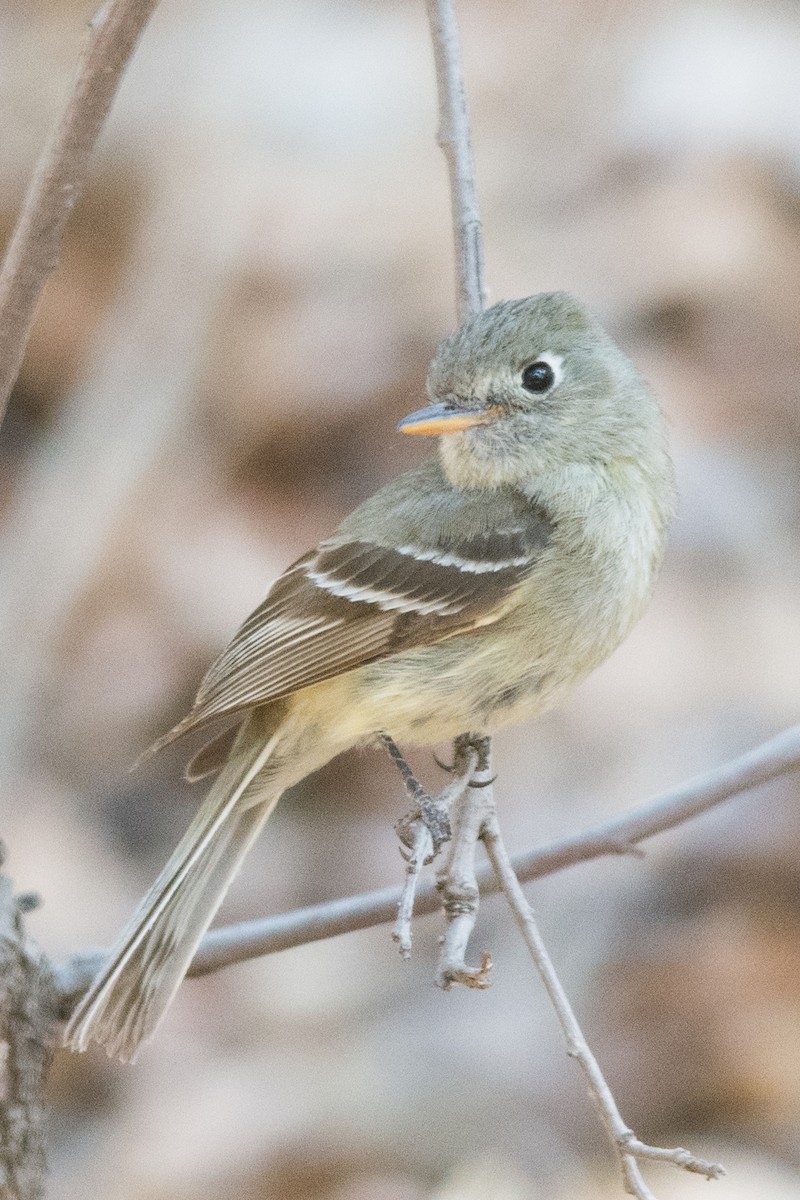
{"points": [[353, 601]]}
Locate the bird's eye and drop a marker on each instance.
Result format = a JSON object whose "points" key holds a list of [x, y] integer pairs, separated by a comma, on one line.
{"points": [[538, 377]]}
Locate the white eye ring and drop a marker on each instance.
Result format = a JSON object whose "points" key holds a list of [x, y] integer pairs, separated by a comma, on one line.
{"points": [[556, 361], [538, 381]]}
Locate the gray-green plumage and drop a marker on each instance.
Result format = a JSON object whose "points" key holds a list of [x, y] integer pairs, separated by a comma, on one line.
{"points": [[468, 593]]}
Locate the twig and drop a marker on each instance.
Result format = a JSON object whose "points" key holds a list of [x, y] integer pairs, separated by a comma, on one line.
{"points": [[626, 1144], [457, 879], [425, 829], [252, 939], [421, 853], [454, 139], [28, 1029], [35, 247], [475, 815]]}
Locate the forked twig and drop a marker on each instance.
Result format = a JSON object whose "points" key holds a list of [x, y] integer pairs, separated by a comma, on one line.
{"points": [[628, 1147], [421, 853], [231, 944], [424, 830], [475, 815], [474, 818], [32, 255], [457, 879]]}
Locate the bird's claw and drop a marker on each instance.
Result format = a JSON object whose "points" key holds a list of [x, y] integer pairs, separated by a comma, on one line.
{"points": [[433, 815], [436, 818]]}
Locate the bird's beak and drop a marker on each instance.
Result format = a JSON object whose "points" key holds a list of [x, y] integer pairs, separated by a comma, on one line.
{"points": [[446, 418]]}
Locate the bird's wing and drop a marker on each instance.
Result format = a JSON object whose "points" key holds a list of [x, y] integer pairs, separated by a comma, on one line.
{"points": [[352, 601]]}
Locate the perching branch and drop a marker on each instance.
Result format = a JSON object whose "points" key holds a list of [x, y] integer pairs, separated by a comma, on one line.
{"points": [[475, 816], [457, 882], [32, 256], [454, 138], [620, 835], [425, 829], [35, 246], [457, 879]]}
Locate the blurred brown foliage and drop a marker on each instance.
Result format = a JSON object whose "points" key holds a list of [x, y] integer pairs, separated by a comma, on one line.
{"points": [[252, 287]]}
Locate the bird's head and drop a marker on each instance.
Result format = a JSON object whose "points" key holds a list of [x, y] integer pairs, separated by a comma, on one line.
{"points": [[532, 386]]}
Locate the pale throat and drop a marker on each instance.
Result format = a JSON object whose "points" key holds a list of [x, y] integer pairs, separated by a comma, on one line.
{"points": [[475, 460]]}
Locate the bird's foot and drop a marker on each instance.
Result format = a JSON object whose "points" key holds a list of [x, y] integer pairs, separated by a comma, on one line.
{"points": [[433, 813]]}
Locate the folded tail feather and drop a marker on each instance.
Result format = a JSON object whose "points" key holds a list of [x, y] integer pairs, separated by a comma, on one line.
{"points": [[126, 1001]]}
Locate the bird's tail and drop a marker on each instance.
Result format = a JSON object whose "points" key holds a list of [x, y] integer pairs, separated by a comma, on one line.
{"points": [[130, 995]]}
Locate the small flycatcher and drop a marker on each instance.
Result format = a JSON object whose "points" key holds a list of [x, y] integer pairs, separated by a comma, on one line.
{"points": [[471, 592]]}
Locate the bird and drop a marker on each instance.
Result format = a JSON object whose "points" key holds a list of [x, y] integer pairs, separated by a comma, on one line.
{"points": [[471, 592]]}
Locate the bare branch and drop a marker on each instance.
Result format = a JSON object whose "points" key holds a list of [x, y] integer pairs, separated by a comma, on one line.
{"points": [[475, 815], [457, 879], [454, 138], [35, 247], [421, 853], [626, 1144], [252, 939], [426, 828]]}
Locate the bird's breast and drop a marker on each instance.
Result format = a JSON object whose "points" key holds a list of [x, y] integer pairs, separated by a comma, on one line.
{"points": [[586, 590]]}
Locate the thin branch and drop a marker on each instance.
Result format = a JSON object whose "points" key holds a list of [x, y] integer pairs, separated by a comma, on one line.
{"points": [[475, 816], [252, 939], [35, 247], [454, 139], [426, 828], [421, 853], [457, 879], [626, 1144]]}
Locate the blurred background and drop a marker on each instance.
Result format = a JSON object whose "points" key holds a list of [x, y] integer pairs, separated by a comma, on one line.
{"points": [[251, 290]]}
